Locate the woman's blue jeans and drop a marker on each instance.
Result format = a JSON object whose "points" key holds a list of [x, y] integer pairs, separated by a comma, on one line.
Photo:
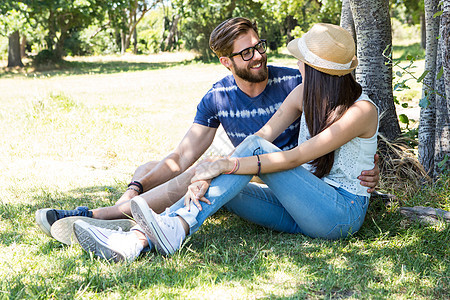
{"points": [[294, 201]]}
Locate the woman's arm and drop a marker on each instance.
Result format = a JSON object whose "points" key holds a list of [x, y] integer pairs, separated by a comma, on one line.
{"points": [[289, 111], [360, 120]]}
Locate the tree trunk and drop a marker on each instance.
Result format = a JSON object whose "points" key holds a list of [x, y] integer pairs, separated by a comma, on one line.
{"points": [[23, 47], [170, 40], [428, 113], [442, 135], [373, 32], [123, 47], [59, 47], [423, 31], [14, 58], [135, 50], [347, 18]]}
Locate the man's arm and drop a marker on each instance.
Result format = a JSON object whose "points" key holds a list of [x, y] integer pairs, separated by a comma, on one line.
{"points": [[195, 142], [370, 178]]}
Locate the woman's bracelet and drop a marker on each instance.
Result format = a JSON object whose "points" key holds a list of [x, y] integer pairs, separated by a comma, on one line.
{"points": [[259, 165], [235, 168]]}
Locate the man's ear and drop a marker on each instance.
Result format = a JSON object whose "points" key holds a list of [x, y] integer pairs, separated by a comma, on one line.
{"points": [[225, 61]]}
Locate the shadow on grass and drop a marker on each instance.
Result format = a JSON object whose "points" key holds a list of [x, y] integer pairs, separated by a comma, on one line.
{"points": [[67, 68], [228, 252]]}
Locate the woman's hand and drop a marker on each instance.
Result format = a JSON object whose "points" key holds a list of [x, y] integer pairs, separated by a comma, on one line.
{"points": [[196, 193]]}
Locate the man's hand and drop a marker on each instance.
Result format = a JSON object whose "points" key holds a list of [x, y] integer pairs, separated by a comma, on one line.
{"points": [[196, 193], [209, 170], [370, 178]]}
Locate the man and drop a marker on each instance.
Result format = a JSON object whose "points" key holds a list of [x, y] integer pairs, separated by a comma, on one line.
{"points": [[242, 102]]}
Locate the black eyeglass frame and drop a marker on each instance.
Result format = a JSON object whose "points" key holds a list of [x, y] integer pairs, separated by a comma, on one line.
{"points": [[262, 43]]}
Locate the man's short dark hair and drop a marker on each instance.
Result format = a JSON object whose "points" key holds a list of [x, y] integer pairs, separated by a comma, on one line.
{"points": [[223, 36]]}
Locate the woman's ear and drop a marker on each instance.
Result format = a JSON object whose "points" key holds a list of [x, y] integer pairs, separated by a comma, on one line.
{"points": [[225, 61]]}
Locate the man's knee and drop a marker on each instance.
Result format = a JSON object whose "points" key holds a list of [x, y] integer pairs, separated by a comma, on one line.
{"points": [[145, 168]]}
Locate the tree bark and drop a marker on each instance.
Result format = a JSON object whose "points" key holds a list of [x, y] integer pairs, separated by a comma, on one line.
{"points": [[347, 18], [23, 47], [170, 40], [122, 42], [14, 58], [442, 133], [423, 31], [428, 114], [135, 50], [373, 31]]}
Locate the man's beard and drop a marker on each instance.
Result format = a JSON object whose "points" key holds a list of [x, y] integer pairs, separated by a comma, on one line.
{"points": [[246, 74]]}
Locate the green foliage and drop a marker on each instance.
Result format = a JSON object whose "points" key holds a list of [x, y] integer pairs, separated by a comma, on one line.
{"points": [[63, 18], [14, 19], [92, 41], [407, 11], [46, 58], [150, 31]]}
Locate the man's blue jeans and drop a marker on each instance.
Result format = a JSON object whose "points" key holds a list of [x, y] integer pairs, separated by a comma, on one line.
{"points": [[294, 201]]}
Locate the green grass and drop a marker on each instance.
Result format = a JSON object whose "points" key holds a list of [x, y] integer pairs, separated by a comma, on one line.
{"points": [[74, 137]]}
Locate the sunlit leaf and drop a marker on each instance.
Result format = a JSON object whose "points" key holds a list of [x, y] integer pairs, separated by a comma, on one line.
{"points": [[424, 102], [403, 118], [423, 76], [443, 162], [441, 71], [437, 14]]}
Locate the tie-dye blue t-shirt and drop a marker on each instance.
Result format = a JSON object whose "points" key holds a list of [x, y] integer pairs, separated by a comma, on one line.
{"points": [[241, 115]]}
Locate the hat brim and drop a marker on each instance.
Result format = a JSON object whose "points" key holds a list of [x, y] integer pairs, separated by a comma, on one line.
{"points": [[293, 49]]}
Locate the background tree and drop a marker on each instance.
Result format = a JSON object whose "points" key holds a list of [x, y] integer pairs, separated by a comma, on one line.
{"points": [[410, 12], [347, 18], [374, 72], [13, 22], [63, 18], [130, 13], [442, 84], [428, 110]]}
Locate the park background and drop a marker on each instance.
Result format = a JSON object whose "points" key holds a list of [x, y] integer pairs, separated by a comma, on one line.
{"points": [[76, 124]]}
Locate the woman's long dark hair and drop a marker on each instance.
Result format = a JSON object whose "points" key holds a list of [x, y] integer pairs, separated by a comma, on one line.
{"points": [[326, 98]]}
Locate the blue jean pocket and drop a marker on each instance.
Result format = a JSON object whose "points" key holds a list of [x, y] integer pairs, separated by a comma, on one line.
{"points": [[357, 208]]}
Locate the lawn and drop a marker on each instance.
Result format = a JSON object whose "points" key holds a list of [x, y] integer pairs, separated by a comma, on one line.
{"points": [[74, 137]]}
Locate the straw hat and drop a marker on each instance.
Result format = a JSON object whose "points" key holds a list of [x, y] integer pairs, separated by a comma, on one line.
{"points": [[326, 47]]}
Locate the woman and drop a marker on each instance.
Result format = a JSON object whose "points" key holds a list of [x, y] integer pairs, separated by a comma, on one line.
{"points": [[312, 189]]}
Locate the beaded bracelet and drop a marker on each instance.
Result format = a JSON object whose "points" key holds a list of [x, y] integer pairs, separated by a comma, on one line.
{"points": [[132, 188], [139, 186]]}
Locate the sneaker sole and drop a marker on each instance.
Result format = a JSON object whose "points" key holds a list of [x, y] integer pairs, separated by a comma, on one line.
{"points": [[62, 230], [142, 214], [91, 243], [41, 220]]}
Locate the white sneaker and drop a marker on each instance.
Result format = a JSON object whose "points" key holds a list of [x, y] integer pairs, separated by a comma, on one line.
{"points": [[109, 244], [62, 230], [165, 232]]}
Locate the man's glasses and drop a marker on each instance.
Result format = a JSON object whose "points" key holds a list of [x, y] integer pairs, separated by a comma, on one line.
{"points": [[249, 52]]}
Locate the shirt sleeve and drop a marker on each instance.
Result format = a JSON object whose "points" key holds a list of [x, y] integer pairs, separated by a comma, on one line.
{"points": [[207, 112]]}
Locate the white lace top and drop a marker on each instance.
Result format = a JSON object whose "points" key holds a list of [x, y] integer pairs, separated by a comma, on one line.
{"points": [[349, 160]]}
